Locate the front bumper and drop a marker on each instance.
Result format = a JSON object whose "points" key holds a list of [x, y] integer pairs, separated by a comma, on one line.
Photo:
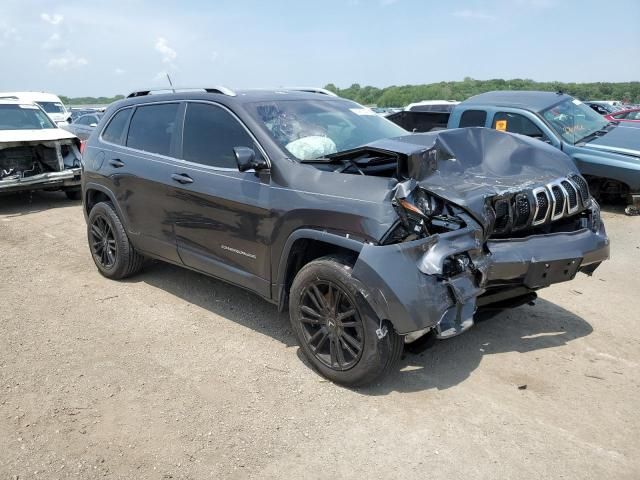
{"points": [[51, 180], [404, 283]]}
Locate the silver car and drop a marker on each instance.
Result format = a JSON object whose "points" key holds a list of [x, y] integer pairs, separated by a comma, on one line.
{"points": [[83, 126]]}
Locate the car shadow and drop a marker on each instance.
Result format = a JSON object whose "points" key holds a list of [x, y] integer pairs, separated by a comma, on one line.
{"points": [[221, 298], [25, 203], [449, 362], [444, 364]]}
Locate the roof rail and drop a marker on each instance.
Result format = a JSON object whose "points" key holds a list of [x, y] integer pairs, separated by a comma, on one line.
{"points": [[154, 91], [322, 91]]}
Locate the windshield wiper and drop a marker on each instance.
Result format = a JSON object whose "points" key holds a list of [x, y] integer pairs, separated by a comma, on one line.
{"points": [[598, 133]]}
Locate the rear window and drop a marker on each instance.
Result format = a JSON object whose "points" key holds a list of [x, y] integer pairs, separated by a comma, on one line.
{"points": [[52, 107], [152, 128], [115, 130], [473, 118]]}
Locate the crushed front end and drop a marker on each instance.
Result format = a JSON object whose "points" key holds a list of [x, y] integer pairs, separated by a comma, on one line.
{"points": [[39, 164], [504, 238]]}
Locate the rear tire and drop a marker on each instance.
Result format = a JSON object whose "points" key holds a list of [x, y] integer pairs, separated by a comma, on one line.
{"points": [[336, 328], [109, 244]]}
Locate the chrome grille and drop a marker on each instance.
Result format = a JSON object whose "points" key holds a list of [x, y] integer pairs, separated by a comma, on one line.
{"points": [[530, 208], [572, 196], [542, 205], [522, 210], [558, 202], [582, 187]]}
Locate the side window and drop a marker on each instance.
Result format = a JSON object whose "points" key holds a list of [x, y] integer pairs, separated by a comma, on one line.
{"points": [[210, 134], [516, 123], [473, 118], [152, 128], [115, 129]]}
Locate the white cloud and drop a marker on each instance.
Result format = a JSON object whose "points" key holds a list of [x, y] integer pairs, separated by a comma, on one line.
{"points": [[52, 42], [385, 3], [168, 53], [474, 14], [119, 71], [214, 56], [67, 61], [54, 19], [8, 34]]}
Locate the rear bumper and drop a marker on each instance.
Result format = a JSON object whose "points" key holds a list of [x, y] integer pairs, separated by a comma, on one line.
{"points": [[52, 180], [403, 283]]}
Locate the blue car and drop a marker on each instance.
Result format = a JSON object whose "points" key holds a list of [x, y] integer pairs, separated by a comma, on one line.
{"points": [[606, 153]]}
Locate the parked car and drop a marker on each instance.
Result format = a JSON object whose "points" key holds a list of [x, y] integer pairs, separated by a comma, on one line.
{"points": [[78, 112], [82, 126], [603, 108], [425, 116], [607, 154], [49, 102], [373, 237], [35, 154], [631, 115]]}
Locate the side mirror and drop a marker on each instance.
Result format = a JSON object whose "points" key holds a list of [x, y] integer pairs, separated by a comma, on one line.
{"points": [[246, 159]]}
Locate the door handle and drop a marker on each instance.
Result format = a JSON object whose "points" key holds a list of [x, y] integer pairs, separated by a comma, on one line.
{"points": [[116, 163], [181, 178]]}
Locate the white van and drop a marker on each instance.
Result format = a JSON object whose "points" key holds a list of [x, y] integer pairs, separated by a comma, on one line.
{"points": [[49, 102]]}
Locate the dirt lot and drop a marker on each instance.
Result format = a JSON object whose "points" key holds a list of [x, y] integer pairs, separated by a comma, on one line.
{"points": [[176, 375]]}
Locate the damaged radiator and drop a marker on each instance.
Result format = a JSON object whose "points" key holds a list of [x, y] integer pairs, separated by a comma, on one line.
{"points": [[24, 159]]}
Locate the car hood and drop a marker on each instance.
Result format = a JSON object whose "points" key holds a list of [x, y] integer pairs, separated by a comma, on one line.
{"points": [[468, 165], [40, 135], [624, 139]]}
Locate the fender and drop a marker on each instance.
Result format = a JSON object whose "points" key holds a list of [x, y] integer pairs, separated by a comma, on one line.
{"points": [[112, 196], [308, 234]]}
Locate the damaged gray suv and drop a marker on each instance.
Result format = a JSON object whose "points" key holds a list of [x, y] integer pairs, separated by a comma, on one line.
{"points": [[371, 237]]}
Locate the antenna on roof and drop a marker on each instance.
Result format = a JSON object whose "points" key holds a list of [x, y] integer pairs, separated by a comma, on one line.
{"points": [[171, 83]]}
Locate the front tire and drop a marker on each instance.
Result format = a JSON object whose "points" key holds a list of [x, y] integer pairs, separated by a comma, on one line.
{"points": [[335, 327], [109, 244]]}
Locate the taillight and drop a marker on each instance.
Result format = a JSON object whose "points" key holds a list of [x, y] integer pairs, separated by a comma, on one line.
{"points": [[82, 144]]}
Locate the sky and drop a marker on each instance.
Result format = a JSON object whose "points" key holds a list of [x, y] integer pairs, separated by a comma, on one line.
{"points": [[102, 48]]}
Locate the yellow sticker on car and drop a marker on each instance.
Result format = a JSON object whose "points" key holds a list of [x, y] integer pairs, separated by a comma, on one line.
{"points": [[501, 125]]}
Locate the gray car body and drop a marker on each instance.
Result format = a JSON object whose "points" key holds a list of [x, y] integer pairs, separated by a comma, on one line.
{"points": [[83, 126], [615, 155], [245, 227]]}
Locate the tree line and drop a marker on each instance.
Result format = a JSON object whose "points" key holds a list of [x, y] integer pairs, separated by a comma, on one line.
{"points": [[398, 96]]}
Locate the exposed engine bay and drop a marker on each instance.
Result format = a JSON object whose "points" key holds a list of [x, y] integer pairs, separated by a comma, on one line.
{"points": [[28, 161]]}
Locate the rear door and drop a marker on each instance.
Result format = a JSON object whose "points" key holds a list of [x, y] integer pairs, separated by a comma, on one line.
{"points": [[140, 168], [221, 216]]}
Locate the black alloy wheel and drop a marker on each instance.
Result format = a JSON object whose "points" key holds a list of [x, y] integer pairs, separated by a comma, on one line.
{"points": [[331, 325], [103, 242]]}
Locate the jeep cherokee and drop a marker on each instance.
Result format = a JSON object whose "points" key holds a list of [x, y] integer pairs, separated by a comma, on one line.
{"points": [[371, 236]]}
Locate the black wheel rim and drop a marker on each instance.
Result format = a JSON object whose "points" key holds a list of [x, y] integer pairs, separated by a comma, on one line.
{"points": [[331, 325], [103, 242]]}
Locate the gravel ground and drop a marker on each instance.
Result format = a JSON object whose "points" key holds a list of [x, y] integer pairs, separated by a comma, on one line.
{"points": [[172, 374]]}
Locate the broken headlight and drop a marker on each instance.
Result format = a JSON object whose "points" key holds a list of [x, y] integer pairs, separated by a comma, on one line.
{"points": [[421, 215], [596, 221]]}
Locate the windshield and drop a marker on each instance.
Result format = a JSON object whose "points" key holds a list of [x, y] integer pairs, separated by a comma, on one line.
{"points": [[573, 120], [311, 129], [52, 107], [23, 117]]}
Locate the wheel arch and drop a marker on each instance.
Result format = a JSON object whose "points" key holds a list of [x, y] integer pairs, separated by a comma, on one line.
{"points": [[94, 193], [304, 246]]}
